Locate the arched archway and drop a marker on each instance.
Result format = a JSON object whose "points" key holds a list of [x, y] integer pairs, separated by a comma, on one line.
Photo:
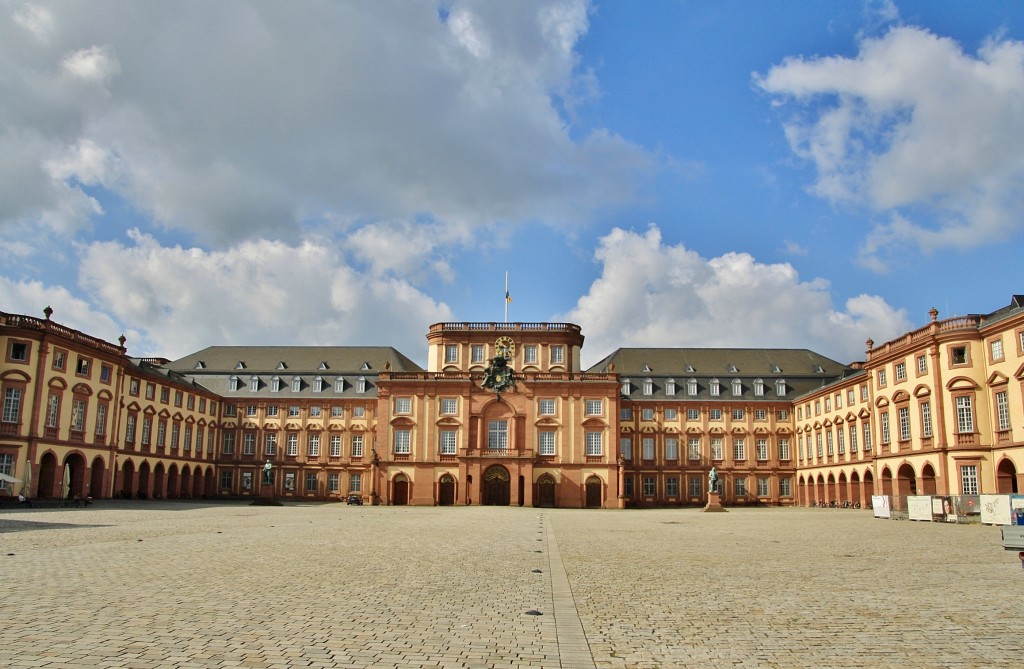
{"points": [[159, 477], [127, 478], [1006, 477], [144, 480], [172, 481], [210, 488], [841, 486], [801, 491], [97, 472], [833, 494], [855, 490], [928, 483], [886, 482], [400, 490], [497, 486], [186, 482], [546, 491], [869, 487], [819, 493], [594, 490], [446, 490], [906, 481], [48, 480], [197, 483], [74, 465]]}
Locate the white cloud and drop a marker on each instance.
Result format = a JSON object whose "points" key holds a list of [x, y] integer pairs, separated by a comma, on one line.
{"points": [[652, 294], [244, 120], [258, 292], [29, 298], [914, 128]]}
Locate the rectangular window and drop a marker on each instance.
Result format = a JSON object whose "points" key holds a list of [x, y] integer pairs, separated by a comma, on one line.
{"points": [[672, 486], [883, 422], [403, 405], [228, 444], [357, 446], [530, 354], [670, 413], [853, 438], [448, 442], [291, 444], [161, 433], [867, 437], [557, 355], [693, 414], [671, 448], [225, 479], [762, 486], [336, 411], [864, 392], [964, 415], [77, 415], [903, 416], [311, 483], [737, 414], [355, 482], [333, 483], [314, 411], [785, 487], [968, 479], [784, 449], [403, 442], [693, 448], [714, 414], [901, 371], [841, 439], [595, 444], [335, 446], [449, 406], [82, 369], [546, 443], [922, 364], [270, 444], [648, 486], [958, 355], [190, 403], [293, 411], [626, 447], [249, 443], [647, 448], [739, 449], [850, 397], [647, 413], [59, 360], [881, 378], [147, 429], [250, 410], [497, 435], [817, 441], [594, 407], [926, 419], [691, 387], [313, 445], [782, 414], [477, 352], [696, 486], [762, 449], [1002, 411], [101, 419], [106, 372], [358, 412], [716, 448], [451, 353], [740, 487], [625, 413], [254, 384], [996, 346], [18, 352], [546, 407], [760, 414]]}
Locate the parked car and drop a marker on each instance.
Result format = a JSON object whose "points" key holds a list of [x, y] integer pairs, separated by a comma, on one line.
{"points": [[355, 499]]}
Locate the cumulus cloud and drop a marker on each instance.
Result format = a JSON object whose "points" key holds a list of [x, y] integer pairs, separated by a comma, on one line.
{"points": [[29, 298], [238, 120], [913, 128], [653, 294], [257, 292]]}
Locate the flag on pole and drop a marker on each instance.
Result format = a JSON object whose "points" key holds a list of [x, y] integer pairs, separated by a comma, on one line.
{"points": [[508, 298]]}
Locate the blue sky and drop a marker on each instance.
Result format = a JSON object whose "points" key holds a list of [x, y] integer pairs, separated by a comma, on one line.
{"points": [[795, 174]]}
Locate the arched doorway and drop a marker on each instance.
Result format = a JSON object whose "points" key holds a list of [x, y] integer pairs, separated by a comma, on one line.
{"points": [[855, 491], [144, 480], [74, 466], [497, 486], [172, 482], [886, 482], [832, 493], [197, 483], [186, 481], [1006, 478], [594, 489], [127, 478], [48, 482], [96, 480], [844, 495], [906, 482], [209, 489], [820, 490], [928, 484], [400, 490], [546, 491], [158, 481], [446, 491], [801, 491], [869, 487]]}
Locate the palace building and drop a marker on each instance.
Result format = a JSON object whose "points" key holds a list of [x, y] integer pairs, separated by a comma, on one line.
{"points": [[504, 414]]}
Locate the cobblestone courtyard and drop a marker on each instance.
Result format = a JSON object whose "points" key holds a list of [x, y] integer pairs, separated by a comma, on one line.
{"points": [[152, 585]]}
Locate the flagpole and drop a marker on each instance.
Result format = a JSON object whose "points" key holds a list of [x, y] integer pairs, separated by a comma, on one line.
{"points": [[506, 296]]}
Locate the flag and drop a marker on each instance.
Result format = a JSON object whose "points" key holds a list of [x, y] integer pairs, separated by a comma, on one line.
{"points": [[508, 298]]}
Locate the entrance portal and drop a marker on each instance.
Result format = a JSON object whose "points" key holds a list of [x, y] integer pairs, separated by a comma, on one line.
{"points": [[400, 491], [594, 492], [496, 490], [546, 491], [446, 491]]}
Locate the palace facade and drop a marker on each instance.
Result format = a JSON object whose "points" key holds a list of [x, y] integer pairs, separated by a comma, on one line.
{"points": [[504, 414]]}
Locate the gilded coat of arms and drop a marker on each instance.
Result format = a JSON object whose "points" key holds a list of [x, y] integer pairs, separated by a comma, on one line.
{"points": [[499, 376]]}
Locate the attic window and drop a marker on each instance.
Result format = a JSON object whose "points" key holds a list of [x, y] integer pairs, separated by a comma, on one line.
{"points": [[690, 369], [365, 367], [776, 369], [646, 369], [322, 366], [670, 387], [339, 384], [648, 386], [318, 384], [626, 387], [281, 365], [818, 369], [239, 365], [732, 369], [200, 365]]}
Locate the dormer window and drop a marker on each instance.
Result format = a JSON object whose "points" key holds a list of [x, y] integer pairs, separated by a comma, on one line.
{"points": [[648, 386], [737, 388], [733, 369], [254, 384], [318, 384], [818, 369], [365, 367], [281, 365], [275, 384], [670, 387], [239, 365], [716, 388], [322, 366], [361, 385], [339, 384], [646, 369], [776, 369], [690, 369], [233, 384], [627, 387], [780, 387], [296, 384], [759, 387], [691, 387], [200, 365]]}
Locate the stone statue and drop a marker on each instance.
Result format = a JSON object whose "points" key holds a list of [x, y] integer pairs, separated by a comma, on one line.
{"points": [[713, 480], [268, 473]]}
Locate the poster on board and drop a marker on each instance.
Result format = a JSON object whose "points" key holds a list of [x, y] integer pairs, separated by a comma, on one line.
{"points": [[995, 509], [880, 506], [919, 507]]}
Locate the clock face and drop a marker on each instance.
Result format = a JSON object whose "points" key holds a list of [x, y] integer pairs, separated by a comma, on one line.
{"points": [[505, 347]]}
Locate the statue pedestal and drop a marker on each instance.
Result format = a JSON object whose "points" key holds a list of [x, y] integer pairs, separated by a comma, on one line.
{"points": [[715, 503]]}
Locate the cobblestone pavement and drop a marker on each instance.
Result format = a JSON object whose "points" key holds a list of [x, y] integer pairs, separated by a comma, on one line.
{"points": [[149, 585]]}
